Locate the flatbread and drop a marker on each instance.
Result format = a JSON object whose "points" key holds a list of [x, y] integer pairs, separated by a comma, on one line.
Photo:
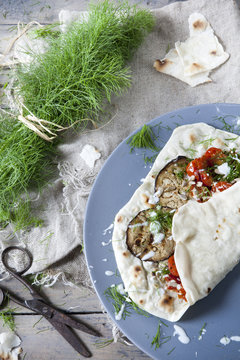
{"points": [[172, 65], [201, 51], [138, 276], [207, 241], [192, 60]]}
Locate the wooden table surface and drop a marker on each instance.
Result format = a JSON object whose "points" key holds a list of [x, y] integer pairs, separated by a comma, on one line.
{"points": [[39, 340]]}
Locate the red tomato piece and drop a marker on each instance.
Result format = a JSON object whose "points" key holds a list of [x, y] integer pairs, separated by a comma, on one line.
{"points": [[195, 165], [221, 186], [206, 179], [214, 156], [172, 266]]}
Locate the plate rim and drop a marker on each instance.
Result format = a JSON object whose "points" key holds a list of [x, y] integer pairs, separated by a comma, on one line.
{"points": [[100, 296]]}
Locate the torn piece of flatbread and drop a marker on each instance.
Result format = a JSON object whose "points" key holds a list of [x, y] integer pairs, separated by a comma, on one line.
{"points": [[201, 51], [192, 60], [173, 66]]}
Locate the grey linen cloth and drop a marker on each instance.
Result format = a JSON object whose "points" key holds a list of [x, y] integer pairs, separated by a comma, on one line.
{"points": [[63, 203]]}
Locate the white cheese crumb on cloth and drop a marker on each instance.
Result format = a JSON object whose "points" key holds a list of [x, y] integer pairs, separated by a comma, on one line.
{"points": [[9, 346], [89, 154], [192, 60]]}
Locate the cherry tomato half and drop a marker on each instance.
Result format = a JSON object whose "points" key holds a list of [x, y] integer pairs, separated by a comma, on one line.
{"points": [[221, 186], [206, 179], [214, 156], [194, 166], [172, 266]]}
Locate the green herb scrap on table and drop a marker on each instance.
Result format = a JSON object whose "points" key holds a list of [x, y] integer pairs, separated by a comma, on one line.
{"points": [[67, 84]]}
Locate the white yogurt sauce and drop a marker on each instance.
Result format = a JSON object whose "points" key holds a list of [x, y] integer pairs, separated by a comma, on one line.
{"points": [[109, 273], [148, 255], [108, 229], [118, 315], [182, 336], [106, 243], [235, 338], [225, 340], [158, 238]]}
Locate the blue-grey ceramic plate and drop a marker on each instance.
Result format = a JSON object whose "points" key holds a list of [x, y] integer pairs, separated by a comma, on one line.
{"points": [[115, 184]]}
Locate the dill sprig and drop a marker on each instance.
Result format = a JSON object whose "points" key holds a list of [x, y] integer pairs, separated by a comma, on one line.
{"points": [[158, 339], [233, 161], [161, 216], [202, 331], [144, 138], [122, 299], [85, 65], [7, 318], [103, 343], [69, 82]]}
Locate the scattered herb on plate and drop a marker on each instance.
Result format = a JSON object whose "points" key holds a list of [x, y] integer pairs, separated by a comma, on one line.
{"points": [[144, 138], [159, 339], [122, 302]]}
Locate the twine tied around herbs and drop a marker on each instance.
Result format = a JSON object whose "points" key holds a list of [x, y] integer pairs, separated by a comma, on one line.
{"points": [[41, 126]]}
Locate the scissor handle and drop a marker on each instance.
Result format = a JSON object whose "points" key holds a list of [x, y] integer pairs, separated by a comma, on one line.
{"points": [[17, 274]]}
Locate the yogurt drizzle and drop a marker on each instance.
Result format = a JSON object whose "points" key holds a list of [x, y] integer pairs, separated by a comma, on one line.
{"points": [[182, 336]]}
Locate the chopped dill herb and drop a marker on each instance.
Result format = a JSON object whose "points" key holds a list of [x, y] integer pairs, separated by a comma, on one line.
{"points": [[103, 343], [168, 48], [144, 138], [202, 330], [190, 151], [180, 174], [231, 139], [233, 161], [163, 323], [119, 299], [225, 125], [207, 142], [150, 160], [162, 216], [158, 339], [171, 350], [7, 318]]}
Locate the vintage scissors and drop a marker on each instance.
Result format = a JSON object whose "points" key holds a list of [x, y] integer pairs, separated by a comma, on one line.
{"points": [[60, 321]]}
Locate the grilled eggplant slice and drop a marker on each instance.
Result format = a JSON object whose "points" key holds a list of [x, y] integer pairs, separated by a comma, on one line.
{"points": [[172, 183], [150, 240]]}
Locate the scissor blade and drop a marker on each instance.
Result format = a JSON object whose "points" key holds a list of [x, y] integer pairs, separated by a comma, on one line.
{"points": [[71, 338], [67, 320], [50, 312]]}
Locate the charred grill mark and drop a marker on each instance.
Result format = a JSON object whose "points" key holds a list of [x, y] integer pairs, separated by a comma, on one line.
{"points": [[159, 65], [199, 25]]}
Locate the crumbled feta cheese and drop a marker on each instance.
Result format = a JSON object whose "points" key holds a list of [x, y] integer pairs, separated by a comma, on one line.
{"points": [[223, 169], [89, 154]]}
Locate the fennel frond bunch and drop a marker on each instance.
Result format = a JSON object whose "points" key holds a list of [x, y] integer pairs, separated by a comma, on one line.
{"points": [[69, 82]]}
